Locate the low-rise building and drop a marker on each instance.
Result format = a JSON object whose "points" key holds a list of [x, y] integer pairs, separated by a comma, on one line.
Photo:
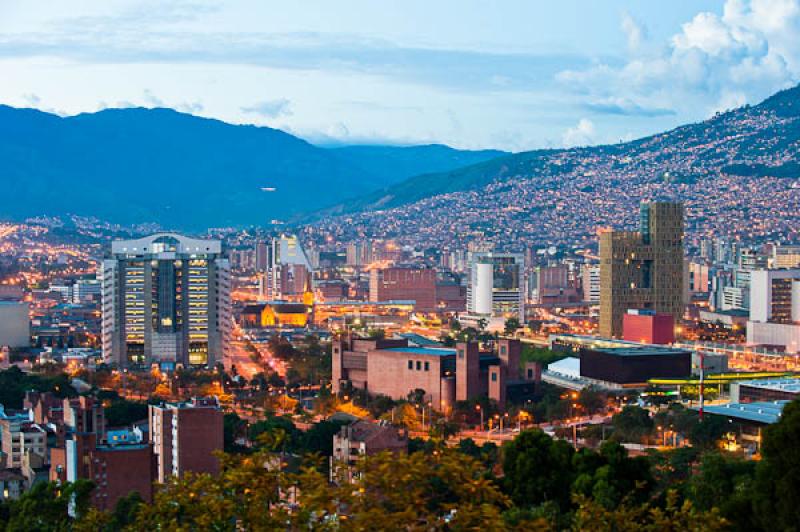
{"points": [[363, 438]]}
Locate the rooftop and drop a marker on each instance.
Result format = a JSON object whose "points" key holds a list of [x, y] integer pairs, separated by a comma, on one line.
{"points": [[644, 350], [778, 385], [767, 412], [431, 351]]}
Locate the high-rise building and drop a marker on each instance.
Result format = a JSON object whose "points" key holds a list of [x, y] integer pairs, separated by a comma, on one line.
{"points": [[289, 270], [642, 269], [185, 437], [591, 283], [166, 300], [496, 285]]}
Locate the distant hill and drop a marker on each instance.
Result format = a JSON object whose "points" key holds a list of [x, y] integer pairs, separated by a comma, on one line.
{"points": [[762, 140], [738, 174], [158, 165], [391, 164]]}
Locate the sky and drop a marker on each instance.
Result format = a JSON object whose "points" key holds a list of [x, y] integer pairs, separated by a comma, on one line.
{"points": [[512, 75]]}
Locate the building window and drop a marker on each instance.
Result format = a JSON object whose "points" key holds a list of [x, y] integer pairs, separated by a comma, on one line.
{"points": [[502, 350], [410, 364], [427, 366], [530, 373], [460, 353], [494, 377], [419, 365]]}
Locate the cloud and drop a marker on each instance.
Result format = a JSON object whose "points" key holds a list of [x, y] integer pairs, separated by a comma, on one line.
{"points": [[32, 99], [625, 107], [635, 32], [743, 55], [582, 134], [190, 107], [270, 108], [152, 100]]}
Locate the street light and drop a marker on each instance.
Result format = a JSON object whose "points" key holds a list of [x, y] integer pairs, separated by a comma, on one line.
{"points": [[478, 408]]}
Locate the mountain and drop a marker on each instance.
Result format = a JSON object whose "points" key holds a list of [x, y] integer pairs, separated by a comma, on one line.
{"points": [[158, 165], [737, 172], [392, 164]]}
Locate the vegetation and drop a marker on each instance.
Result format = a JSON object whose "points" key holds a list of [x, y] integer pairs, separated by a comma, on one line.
{"points": [[14, 383]]}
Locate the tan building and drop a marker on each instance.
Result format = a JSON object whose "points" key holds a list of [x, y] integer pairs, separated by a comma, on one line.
{"points": [[642, 269]]}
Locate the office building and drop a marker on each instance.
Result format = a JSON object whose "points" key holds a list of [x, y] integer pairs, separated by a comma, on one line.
{"points": [[166, 300], [15, 330], [496, 285], [288, 274], [185, 437], [86, 291], [404, 284], [642, 269], [775, 309]]}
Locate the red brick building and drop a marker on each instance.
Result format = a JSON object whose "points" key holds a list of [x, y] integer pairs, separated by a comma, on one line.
{"points": [[648, 327], [185, 437], [403, 284]]}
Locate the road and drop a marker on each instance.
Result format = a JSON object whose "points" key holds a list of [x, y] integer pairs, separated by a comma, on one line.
{"points": [[240, 356]]}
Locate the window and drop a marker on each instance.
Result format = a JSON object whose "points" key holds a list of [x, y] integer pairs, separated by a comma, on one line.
{"points": [[460, 353], [530, 373], [503, 350], [494, 377], [419, 365], [427, 366], [410, 364]]}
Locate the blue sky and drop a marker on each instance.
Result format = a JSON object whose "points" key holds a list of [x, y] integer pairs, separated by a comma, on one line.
{"points": [[514, 75]]}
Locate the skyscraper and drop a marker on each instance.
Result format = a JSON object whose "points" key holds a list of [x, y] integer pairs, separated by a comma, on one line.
{"points": [[642, 269], [496, 287], [166, 300]]}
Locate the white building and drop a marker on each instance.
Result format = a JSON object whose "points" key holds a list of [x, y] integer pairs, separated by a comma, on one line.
{"points": [[166, 300], [496, 285], [591, 282], [775, 309]]}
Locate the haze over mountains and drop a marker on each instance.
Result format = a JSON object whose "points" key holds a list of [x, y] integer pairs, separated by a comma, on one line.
{"points": [[158, 165]]}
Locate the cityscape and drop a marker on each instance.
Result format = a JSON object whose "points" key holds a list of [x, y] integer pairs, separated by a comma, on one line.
{"points": [[212, 321]]}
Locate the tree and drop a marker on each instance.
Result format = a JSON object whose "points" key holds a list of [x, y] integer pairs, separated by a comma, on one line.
{"points": [[632, 424], [511, 326], [442, 491], [725, 482], [45, 506], [611, 476], [593, 516], [777, 489], [592, 400], [537, 469]]}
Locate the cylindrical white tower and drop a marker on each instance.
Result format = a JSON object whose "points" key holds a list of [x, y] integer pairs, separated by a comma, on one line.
{"points": [[482, 291]]}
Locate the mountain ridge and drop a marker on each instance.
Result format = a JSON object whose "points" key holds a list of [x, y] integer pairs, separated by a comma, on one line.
{"points": [[181, 170]]}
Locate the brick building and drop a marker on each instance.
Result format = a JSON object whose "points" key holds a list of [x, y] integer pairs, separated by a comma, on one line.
{"points": [[185, 436], [391, 367], [404, 284]]}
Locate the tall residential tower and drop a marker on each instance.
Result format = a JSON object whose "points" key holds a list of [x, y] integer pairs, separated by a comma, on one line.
{"points": [[166, 300], [642, 269]]}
